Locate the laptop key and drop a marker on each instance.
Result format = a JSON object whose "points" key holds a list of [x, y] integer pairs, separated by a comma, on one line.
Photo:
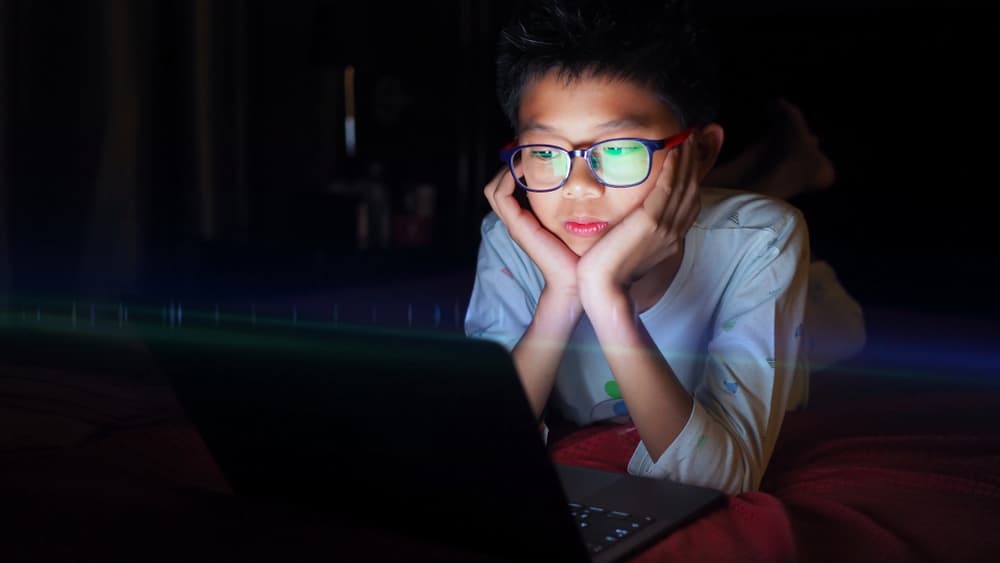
{"points": [[619, 515], [636, 523], [600, 529]]}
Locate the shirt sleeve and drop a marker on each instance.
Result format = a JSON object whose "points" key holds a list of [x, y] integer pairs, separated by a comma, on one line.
{"points": [[506, 288], [754, 360]]}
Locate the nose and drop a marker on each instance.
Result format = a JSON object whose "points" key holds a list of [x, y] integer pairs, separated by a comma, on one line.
{"points": [[581, 184]]}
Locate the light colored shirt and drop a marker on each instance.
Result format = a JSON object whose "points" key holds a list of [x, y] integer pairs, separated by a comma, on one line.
{"points": [[730, 325]]}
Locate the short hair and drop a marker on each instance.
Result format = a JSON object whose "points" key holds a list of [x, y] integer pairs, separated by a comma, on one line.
{"points": [[658, 44]]}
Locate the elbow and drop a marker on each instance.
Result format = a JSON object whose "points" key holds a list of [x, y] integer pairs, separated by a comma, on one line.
{"points": [[744, 477], [710, 452], [740, 475], [740, 468], [733, 472]]}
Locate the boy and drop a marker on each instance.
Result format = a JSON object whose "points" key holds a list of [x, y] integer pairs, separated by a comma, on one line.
{"points": [[627, 291]]}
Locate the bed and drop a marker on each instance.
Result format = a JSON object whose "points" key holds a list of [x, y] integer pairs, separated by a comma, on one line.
{"points": [[894, 460]]}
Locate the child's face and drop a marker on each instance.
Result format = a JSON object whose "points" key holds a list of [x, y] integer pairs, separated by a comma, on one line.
{"points": [[575, 115]]}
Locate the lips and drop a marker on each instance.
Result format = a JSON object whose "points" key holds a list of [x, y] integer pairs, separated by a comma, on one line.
{"points": [[586, 228]]}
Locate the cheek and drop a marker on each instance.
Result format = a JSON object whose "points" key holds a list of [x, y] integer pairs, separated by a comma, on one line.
{"points": [[625, 201], [545, 206]]}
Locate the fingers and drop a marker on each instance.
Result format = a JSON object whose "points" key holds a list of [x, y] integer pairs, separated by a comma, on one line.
{"points": [[676, 188], [688, 194], [685, 184], [656, 202], [491, 187], [500, 194]]}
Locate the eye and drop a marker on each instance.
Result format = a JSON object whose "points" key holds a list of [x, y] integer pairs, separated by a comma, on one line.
{"points": [[543, 154], [619, 150]]}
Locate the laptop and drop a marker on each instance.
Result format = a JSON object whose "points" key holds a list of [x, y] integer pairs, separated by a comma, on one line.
{"points": [[424, 433]]}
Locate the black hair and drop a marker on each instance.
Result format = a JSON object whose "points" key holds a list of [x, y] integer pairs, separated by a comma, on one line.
{"points": [[661, 45]]}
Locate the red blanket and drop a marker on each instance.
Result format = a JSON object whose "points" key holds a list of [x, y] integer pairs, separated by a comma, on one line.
{"points": [[875, 470], [910, 473]]}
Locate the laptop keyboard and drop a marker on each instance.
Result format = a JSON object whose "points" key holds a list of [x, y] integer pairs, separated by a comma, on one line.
{"points": [[602, 528]]}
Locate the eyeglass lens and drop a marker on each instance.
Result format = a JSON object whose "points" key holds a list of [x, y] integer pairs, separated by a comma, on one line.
{"points": [[615, 163]]}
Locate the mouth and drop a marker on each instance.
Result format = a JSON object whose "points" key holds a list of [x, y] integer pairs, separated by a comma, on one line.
{"points": [[585, 228]]}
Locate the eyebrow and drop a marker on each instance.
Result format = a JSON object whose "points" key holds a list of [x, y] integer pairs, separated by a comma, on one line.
{"points": [[627, 121]]}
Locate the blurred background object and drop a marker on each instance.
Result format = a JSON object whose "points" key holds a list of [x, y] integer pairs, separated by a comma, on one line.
{"points": [[227, 149]]}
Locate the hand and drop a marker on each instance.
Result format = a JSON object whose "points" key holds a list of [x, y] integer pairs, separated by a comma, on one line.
{"points": [[557, 261], [648, 235]]}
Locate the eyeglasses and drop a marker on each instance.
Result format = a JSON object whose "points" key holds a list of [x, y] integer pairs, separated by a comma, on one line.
{"points": [[615, 163]]}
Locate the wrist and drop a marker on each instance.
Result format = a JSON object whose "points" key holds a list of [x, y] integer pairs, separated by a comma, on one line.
{"points": [[604, 301], [593, 290], [558, 307], [566, 293], [598, 283]]}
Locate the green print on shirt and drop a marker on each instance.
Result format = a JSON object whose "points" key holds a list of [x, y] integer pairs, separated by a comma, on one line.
{"points": [[611, 388], [701, 442]]}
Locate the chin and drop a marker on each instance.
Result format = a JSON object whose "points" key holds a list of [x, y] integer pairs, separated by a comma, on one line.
{"points": [[579, 248], [577, 245]]}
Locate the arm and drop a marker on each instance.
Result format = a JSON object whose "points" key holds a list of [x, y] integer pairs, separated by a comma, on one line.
{"points": [[722, 437], [541, 340], [501, 308], [753, 360], [657, 403], [648, 238], [539, 352]]}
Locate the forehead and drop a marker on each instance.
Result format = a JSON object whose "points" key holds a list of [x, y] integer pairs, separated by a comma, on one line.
{"points": [[585, 105]]}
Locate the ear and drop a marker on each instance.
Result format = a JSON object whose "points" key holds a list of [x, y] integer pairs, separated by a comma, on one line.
{"points": [[708, 144]]}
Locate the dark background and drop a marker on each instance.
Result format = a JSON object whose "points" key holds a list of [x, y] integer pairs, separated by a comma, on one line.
{"points": [[196, 148]]}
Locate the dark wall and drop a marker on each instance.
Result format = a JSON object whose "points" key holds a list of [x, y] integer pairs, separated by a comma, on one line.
{"points": [[239, 142], [902, 104]]}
